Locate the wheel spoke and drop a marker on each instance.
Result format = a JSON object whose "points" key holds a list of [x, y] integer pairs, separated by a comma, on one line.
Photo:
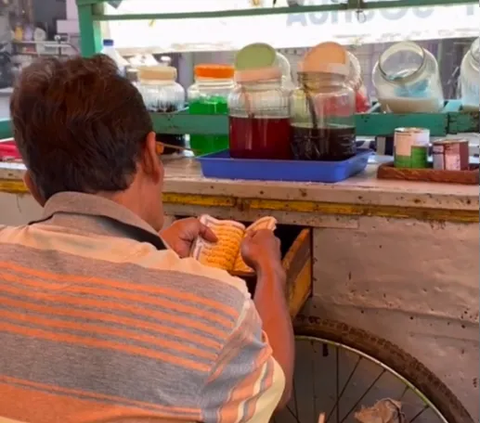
{"points": [[337, 382], [364, 395], [315, 412], [295, 399], [350, 376], [404, 392], [419, 413], [294, 416], [321, 348]]}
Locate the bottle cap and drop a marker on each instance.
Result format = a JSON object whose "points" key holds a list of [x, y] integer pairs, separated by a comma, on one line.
{"points": [[214, 71], [108, 43], [255, 56], [157, 73], [327, 57]]}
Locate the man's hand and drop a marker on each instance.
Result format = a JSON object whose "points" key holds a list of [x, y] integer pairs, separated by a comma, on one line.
{"points": [[261, 250], [181, 234]]}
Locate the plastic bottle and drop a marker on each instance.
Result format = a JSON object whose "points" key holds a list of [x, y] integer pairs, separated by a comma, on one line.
{"points": [[109, 50], [208, 96]]}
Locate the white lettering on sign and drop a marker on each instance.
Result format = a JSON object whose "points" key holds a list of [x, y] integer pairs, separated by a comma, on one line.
{"points": [[350, 16]]}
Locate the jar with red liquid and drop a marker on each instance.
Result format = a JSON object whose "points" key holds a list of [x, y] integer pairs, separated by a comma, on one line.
{"points": [[259, 115]]}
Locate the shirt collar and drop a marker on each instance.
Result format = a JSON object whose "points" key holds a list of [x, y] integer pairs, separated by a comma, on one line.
{"points": [[76, 203]]}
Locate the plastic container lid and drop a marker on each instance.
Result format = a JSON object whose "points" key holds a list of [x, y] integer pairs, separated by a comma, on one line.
{"points": [[214, 71], [157, 73], [108, 43], [255, 56], [327, 57], [257, 75]]}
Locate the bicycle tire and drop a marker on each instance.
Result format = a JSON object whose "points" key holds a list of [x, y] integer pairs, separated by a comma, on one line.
{"points": [[392, 356]]}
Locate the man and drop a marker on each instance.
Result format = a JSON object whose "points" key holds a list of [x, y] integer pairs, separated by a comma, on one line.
{"points": [[102, 319]]}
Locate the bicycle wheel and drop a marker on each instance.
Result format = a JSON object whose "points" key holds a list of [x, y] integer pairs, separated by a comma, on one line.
{"points": [[341, 369]]}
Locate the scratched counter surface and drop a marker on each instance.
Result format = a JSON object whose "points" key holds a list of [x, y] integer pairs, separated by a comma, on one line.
{"points": [[399, 259]]}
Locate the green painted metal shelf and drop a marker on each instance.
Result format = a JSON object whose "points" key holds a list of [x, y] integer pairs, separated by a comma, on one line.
{"points": [[450, 121]]}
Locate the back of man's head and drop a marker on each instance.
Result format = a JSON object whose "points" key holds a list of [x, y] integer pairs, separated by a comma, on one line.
{"points": [[78, 125]]}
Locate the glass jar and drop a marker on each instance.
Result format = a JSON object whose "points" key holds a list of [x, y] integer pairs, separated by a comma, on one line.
{"points": [[322, 116], [284, 65], [258, 115], [469, 81], [209, 96], [162, 94], [407, 80], [362, 101]]}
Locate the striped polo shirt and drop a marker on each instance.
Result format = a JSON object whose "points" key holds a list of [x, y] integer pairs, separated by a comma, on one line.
{"points": [[99, 322]]}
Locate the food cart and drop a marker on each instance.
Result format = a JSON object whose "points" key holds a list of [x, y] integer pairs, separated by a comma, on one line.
{"points": [[380, 272]]}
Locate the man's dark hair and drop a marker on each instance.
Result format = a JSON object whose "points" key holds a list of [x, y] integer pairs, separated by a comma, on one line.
{"points": [[79, 125]]}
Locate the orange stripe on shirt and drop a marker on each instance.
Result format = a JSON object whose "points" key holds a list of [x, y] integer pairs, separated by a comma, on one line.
{"points": [[102, 344], [115, 306], [184, 296], [97, 396], [244, 334], [90, 328], [265, 382], [46, 407], [129, 296], [232, 411], [104, 317]]}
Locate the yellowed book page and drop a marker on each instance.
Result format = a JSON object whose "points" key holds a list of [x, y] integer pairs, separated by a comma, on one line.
{"points": [[266, 222], [223, 253]]}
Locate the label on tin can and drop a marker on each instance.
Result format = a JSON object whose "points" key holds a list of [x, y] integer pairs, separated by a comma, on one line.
{"points": [[438, 155], [411, 147], [450, 154], [452, 162]]}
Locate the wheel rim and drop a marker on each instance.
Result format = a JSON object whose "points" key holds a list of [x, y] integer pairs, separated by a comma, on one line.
{"points": [[341, 392]]}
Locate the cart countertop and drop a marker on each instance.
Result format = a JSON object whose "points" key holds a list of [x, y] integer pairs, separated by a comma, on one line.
{"points": [[184, 184]]}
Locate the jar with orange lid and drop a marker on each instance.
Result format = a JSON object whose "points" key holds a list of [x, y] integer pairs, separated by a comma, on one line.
{"points": [[162, 94], [208, 96]]}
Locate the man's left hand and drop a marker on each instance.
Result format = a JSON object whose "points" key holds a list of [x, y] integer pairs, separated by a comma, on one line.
{"points": [[181, 234]]}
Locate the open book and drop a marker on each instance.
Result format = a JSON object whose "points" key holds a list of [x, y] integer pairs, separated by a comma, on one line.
{"points": [[225, 254]]}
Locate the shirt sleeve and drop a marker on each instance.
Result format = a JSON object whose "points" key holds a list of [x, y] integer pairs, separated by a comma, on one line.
{"points": [[246, 383]]}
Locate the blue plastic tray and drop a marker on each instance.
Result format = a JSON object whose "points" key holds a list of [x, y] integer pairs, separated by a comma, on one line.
{"points": [[220, 165]]}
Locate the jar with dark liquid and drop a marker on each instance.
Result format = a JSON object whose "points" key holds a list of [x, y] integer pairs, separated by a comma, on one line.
{"points": [[322, 116], [162, 94], [258, 115]]}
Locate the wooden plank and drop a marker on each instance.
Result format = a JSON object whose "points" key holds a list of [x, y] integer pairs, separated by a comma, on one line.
{"points": [[298, 266], [465, 177], [294, 206]]}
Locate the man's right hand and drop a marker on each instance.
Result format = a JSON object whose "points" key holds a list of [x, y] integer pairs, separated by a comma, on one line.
{"points": [[261, 250]]}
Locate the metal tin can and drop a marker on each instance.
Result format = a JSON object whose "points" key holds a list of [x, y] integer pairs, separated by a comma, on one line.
{"points": [[450, 154], [411, 147], [384, 145]]}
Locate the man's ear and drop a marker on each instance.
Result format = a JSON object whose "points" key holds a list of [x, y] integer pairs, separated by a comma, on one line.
{"points": [[150, 161], [27, 179]]}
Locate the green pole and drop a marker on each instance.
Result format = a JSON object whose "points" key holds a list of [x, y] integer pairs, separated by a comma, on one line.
{"points": [[90, 31]]}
